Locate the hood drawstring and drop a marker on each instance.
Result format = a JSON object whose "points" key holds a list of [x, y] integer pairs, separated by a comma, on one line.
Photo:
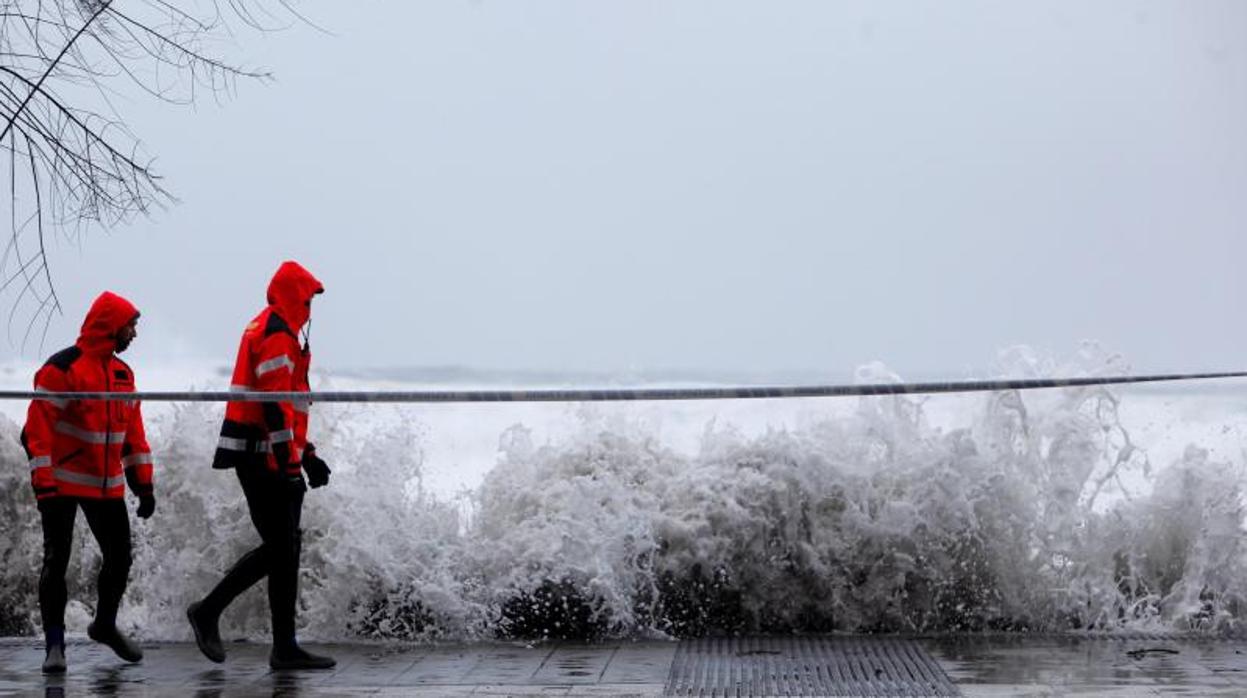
{"points": [[307, 336]]}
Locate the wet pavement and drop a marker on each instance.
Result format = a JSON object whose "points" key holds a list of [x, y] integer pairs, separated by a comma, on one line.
{"points": [[1093, 666], [977, 666], [620, 669]]}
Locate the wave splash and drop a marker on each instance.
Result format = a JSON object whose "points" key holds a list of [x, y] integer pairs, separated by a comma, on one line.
{"points": [[1035, 512]]}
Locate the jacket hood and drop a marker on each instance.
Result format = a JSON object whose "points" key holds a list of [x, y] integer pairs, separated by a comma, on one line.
{"points": [[290, 291], [109, 313]]}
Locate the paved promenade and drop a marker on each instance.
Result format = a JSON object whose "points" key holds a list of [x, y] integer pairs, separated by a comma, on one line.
{"points": [[968, 666]]}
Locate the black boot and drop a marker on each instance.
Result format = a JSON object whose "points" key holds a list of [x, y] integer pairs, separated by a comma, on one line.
{"points": [[116, 641], [294, 657], [207, 635], [54, 641], [54, 662]]}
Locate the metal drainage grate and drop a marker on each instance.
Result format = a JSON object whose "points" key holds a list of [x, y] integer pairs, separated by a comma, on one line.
{"points": [[805, 666]]}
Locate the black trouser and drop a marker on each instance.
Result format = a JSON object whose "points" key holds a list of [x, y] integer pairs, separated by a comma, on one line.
{"points": [[275, 511], [110, 524]]}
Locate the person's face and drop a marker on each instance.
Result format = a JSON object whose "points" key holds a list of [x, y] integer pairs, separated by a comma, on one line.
{"points": [[126, 334]]}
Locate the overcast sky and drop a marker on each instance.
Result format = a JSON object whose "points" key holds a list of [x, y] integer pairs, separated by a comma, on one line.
{"points": [[763, 186]]}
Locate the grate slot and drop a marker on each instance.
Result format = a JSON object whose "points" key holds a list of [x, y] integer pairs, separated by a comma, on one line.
{"points": [[805, 666]]}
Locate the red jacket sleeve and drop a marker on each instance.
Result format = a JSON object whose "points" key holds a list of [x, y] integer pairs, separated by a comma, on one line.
{"points": [[274, 372], [302, 408], [41, 419], [137, 454]]}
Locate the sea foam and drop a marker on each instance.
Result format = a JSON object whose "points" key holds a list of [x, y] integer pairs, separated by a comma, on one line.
{"points": [[1034, 511]]}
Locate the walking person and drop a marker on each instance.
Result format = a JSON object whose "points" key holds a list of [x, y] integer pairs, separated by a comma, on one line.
{"points": [[265, 443], [82, 453]]}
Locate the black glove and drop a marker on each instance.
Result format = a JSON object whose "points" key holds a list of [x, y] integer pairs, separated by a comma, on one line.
{"points": [[317, 470], [147, 506]]}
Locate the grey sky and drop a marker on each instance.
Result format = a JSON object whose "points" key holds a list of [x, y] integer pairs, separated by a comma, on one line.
{"points": [[723, 185]]}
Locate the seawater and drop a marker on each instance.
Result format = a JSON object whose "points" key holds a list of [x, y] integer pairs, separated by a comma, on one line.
{"points": [[1071, 509]]}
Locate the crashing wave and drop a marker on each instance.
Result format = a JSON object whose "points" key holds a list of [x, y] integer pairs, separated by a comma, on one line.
{"points": [[1031, 512]]}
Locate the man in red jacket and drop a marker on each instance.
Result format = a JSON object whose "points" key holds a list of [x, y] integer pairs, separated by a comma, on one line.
{"points": [[78, 451], [266, 445]]}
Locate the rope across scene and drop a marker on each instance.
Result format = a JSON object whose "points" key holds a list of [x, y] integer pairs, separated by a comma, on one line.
{"points": [[620, 394]]}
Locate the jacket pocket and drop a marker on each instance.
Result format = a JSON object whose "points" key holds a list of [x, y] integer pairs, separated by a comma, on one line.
{"points": [[72, 455], [119, 414]]}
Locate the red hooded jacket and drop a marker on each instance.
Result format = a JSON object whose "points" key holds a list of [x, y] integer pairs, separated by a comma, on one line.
{"points": [[272, 434], [79, 448]]}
